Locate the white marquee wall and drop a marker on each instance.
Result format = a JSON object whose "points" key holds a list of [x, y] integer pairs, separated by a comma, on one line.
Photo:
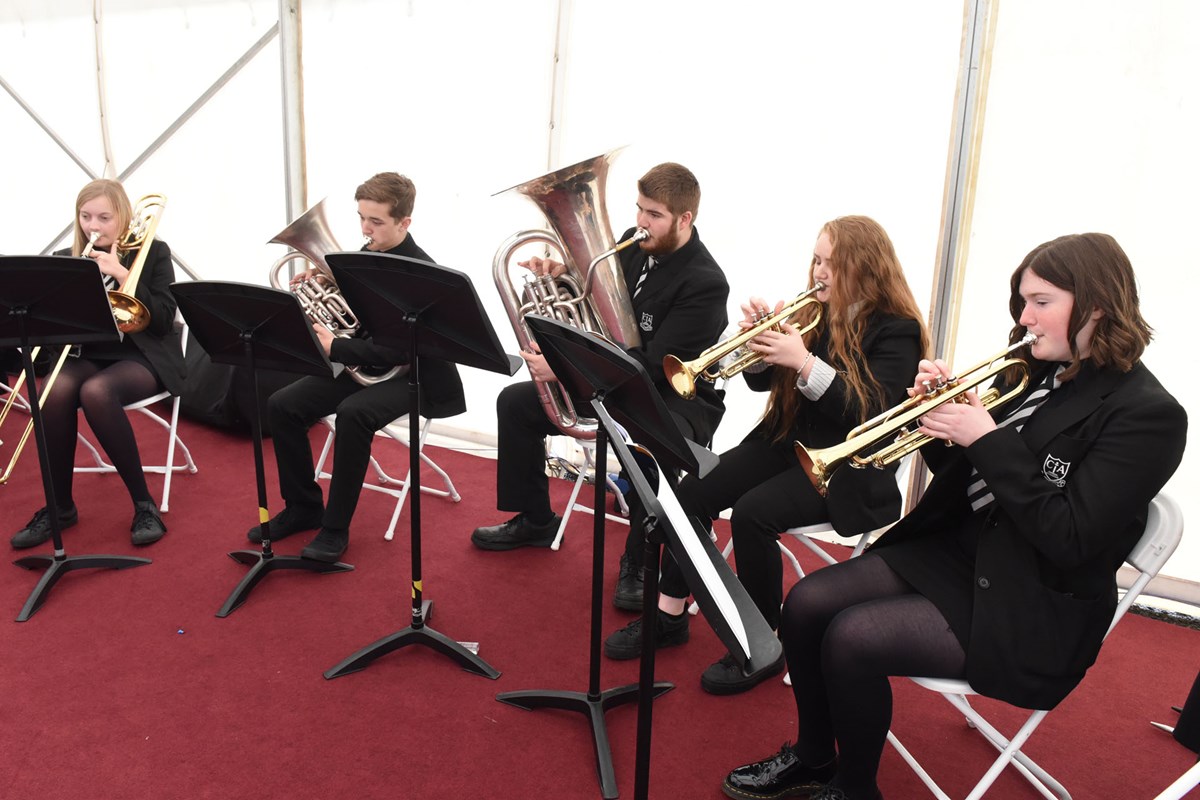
{"points": [[790, 113]]}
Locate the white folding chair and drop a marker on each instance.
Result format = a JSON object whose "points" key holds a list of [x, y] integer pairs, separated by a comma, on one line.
{"points": [[396, 430], [1182, 785], [1164, 527], [169, 467], [589, 468]]}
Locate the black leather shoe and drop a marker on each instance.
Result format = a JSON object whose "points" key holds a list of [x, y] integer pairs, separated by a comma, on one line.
{"points": [[37, 530], [147, 527], [327, 546], [629, 586], [517, 532], [781, 775], [726, 677], [293, 519], [670, 630]]}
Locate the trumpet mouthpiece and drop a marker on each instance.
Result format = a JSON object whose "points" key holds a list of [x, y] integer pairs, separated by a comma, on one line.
{"points": [[640, 234], [1029, 338]]}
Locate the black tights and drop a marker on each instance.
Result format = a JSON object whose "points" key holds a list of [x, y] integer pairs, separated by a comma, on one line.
{"points": [[101, 390], [846, 628]]}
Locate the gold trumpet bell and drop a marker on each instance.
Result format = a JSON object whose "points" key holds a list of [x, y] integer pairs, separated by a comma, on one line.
{"points": [[131, 314]]}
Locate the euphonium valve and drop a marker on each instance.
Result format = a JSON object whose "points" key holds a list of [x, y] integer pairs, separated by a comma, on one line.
{"points": [[897, 423], [712, 364]]}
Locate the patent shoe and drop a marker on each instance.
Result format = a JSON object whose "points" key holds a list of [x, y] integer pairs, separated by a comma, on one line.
{"points": [[327, 546], [147, 526], [37, 530], [293, 519], [726, 677], [628, 595], [781, 775], [670, 630], [517, 532]]}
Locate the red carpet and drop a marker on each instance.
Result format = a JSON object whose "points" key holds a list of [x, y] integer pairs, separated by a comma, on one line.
{"points": [[126, 684]]}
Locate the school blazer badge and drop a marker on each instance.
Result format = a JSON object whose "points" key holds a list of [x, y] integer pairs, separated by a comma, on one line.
{"points": [[1055, 471], [647, 323]]}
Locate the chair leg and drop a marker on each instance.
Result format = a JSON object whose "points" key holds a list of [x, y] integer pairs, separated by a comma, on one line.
{"points": [[1010, 752], [562, 526]]}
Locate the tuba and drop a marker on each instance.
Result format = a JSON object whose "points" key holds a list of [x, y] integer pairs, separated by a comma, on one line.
{"points": [[311, 240], [591, 295]]}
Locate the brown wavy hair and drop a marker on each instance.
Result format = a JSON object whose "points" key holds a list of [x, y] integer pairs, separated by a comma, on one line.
{"points": [[1094, 268], [115, 192], [394, 190], [870, 281]]}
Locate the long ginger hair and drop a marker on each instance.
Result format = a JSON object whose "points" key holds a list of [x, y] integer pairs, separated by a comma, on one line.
{"points": [[869, 281]]}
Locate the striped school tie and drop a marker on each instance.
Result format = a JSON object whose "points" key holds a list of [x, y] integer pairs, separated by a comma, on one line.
{"points": [[651, 263], [977, 491]]}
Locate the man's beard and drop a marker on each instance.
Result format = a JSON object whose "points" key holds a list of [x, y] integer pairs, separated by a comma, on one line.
{"points": [[662, 246]]}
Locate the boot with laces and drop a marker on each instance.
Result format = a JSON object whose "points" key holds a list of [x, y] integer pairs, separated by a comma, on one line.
{"points": [[147, 526]]}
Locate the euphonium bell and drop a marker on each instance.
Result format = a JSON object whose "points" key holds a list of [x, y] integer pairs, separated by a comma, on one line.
{"points": [[709, 364], [592, 294], [895, 422]]}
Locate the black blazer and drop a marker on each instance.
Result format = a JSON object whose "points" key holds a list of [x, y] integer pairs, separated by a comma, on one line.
{"points": [[441, 385], [159, 343], [680, 311], [859, 500], [1072, 491]]}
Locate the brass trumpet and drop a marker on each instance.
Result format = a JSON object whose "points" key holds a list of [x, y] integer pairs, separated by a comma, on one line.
{"points": [[683, 374], [856, 449]]}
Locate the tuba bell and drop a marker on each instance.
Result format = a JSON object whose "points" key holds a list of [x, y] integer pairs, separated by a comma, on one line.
{"points": [[311, 240], [592, 294]]}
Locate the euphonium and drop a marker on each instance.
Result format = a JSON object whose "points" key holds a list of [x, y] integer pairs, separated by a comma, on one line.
{"points": [[596, 300], [709, 364], [311, 240], [896, 421]]}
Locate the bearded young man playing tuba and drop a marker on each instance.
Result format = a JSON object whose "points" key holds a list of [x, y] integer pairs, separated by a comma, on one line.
{"points": [[679, 294]]}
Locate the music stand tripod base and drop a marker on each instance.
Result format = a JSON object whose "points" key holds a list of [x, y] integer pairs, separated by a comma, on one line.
{"points": [[58, 565], [416, 633], [262, 562]]}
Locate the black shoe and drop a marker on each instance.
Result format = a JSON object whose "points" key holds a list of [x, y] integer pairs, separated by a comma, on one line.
{"points": [[670, 630], [517, 532], [726, 677], [293, 519], [147, 526], [327, 546], [781, 775], [37, 530], [629, 586]]}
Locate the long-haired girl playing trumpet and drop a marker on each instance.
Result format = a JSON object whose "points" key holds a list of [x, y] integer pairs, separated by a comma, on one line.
{"points": [[106, 376], [856, 362]]}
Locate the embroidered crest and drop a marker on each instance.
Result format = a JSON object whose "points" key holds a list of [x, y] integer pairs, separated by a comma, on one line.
{"points": [[1055, 471], [647, 323]]}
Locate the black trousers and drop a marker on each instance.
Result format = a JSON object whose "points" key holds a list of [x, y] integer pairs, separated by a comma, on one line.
{"points": [[361, 411], [769, 492], [521, 482]]}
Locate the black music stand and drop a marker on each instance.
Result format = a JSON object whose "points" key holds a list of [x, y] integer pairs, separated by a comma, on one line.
{"points": [[49, 300], [594, 370], [255, 327], [430, 311]]}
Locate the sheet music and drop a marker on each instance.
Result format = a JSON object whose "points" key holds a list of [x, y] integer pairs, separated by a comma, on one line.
{"points": [[696, 551]]}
